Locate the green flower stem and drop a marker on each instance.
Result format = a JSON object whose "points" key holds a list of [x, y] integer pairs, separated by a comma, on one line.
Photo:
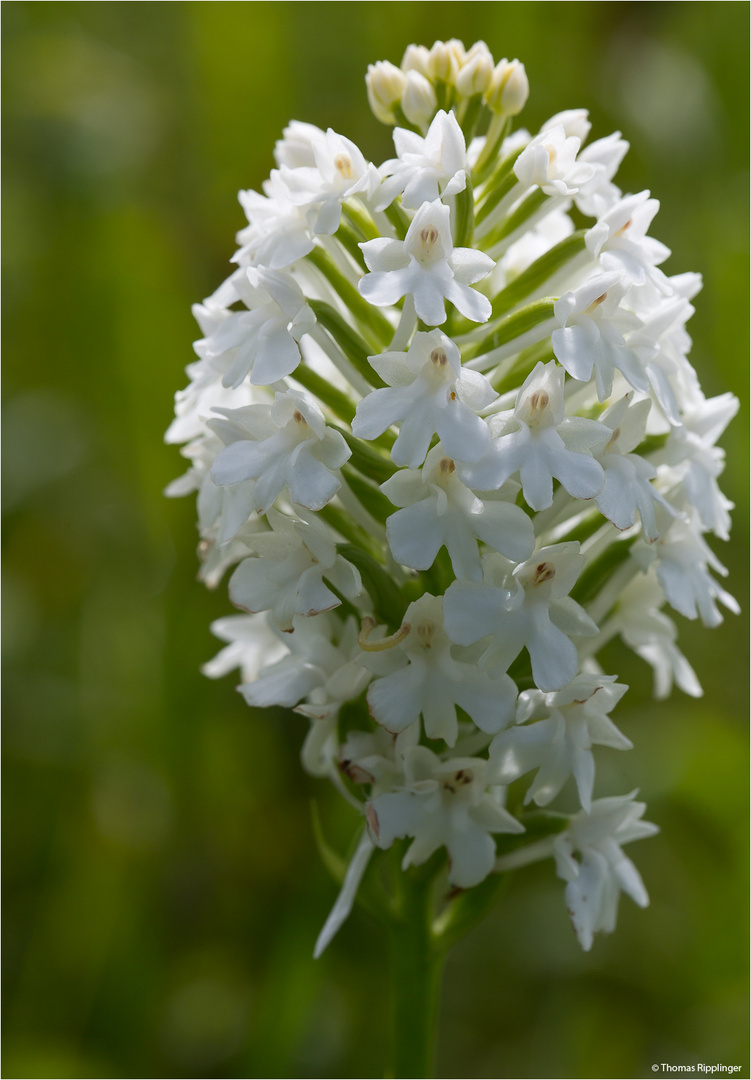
{"points": [[469, 115], [495, 195], [349, 529], [600, 570], [389, 602], [374, 324], [514, 326], [365, 459], [582, 526], [416, 966], [514, 370], [398, 219], [522, 215], [538, 272], [368, 495], [612, 591], [349, 239], [359, 215], [564, 519], [349, 341], [444, 93], [503, 170], [331, 396], [496, 132], [420, 940], [464, 216]]}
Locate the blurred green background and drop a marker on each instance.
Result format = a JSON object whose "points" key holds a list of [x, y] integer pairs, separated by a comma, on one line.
{"points": [[162, 890]]}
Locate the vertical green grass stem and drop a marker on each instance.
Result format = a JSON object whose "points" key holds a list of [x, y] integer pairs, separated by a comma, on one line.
{"points": [[416, 967]]}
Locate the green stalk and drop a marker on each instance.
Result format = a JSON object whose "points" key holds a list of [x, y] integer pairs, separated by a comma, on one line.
{"points": [[514, 370], [416, 966], [502, 170], [470, 115], [389, 603], [443, 93], [373, 322], [498, 128], [596, 575], [348, 339], [349, 239], [398, 219], [513, 326], [368, 495], [360, 217], [538, 272], [349, 529], [518, 217], [365, 459], [331, 396], [464, 221], [504, 186]]}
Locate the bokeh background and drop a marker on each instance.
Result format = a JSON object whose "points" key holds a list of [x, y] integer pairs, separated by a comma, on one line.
{"points": [[162, 889]]}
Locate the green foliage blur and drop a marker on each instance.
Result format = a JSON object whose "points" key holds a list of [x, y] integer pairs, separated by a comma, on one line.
{"points": [[162, 887]]}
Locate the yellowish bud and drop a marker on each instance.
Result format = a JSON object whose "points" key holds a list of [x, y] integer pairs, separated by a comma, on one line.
{"points": [[418, 99], [457, 48], [442, 63], [475, 75], [509, 88], [416, 59], [385, 83], [480, 49]]}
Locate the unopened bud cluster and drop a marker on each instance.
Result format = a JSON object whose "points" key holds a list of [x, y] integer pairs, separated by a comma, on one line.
{"points": [[450, 445], [447, 76]]}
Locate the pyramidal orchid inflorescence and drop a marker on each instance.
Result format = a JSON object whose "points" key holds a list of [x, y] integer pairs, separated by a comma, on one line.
{"points": [[445, 435]]}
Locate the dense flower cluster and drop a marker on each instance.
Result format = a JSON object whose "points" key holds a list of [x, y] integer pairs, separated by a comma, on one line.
{"points": [[451, 444]]}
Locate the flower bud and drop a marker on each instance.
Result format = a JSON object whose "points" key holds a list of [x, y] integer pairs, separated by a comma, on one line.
{"points": [[385, 83], [443, 64], [418, 99], [509, 88], [457, 48], [475, 75], [416, 58], [479, 48]]}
